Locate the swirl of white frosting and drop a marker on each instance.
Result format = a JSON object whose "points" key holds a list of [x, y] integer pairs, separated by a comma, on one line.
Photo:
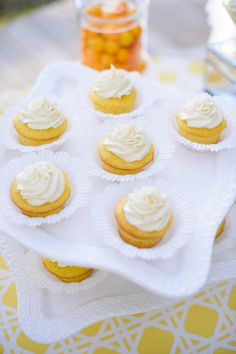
{"points": [[202, 112], [113, 83], [42, 114], [147, 209], [128, 142], [40, 183]]}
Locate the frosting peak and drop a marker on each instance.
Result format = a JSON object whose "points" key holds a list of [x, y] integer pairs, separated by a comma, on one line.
{"points": [[147, 209], [41, 114], [113, 83], [202, 112], [128, 142], [40, 183]]}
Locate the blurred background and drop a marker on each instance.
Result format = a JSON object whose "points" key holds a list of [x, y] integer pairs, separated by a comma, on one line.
{"points": [[34, 33]]}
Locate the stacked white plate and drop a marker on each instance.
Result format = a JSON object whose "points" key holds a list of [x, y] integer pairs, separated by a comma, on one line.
{"points": [[134, 283]]}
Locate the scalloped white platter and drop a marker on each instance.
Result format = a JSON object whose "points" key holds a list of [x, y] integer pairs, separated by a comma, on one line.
{"points": [[209, 179], [46, 317]]}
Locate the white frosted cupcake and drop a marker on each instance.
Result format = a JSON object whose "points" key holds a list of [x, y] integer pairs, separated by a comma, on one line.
{"points": [[126, 150], [143, 217], [66, 272], [41, 189], [201, 120], [40, 122], [113, 92]]}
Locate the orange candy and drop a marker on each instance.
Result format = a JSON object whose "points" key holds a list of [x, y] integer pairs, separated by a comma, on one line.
{"points": [[111, 36], [126, 39], [94, 11], [97, 44], [122, 55], [107, 60], [91, 59], [112, 47], [137, 31]]}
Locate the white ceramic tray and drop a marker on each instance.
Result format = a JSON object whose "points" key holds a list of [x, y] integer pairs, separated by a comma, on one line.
{"points": [[209, 179], [46, 317]]}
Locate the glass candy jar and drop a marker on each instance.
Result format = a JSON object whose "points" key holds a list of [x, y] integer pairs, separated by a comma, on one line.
{"points": [[113, 32]]}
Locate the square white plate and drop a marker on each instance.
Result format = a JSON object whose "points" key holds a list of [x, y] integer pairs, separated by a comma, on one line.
{"points": [[208, 178]]}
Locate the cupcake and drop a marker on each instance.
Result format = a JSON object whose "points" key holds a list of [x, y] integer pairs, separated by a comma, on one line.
{"points": [[41, 189], [113, 92], [125, 150], [41, 122], [201, 120], [67, 273], [221, 228], [143, 217]]}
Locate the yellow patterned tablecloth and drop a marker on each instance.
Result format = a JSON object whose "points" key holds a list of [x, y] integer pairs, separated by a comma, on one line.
{"points": [[205, 323]]}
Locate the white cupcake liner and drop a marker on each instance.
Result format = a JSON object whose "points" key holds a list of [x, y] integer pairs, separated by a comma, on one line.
{"points": [[163, 146], [35, 270], [9, 137], [176, 236], [228, 136], [76, 170], [148, 92], [227, 239]]}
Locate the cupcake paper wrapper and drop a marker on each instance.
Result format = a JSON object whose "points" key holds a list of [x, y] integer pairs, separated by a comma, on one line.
{"points": [[163, 152], [76, 170], [45, 280], [227, 239], [175, 238], [9, 136], [228, 135], [147, 93]]}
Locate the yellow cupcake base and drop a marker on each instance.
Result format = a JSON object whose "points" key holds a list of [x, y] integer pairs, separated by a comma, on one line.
{"points": [[221, 228], [40, 210], [116, 171], [116, 165], [200, 135], [132, 234], [31, 142], [125, 104], [69, 274], [32, 137]]}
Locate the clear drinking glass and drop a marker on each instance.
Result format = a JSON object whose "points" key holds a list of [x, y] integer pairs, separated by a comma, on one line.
{"points": [[113, 32], [220, 69]]}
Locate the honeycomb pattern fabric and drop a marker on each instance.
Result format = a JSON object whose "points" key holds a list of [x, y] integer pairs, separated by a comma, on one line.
{"points": [[205, 323]]}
